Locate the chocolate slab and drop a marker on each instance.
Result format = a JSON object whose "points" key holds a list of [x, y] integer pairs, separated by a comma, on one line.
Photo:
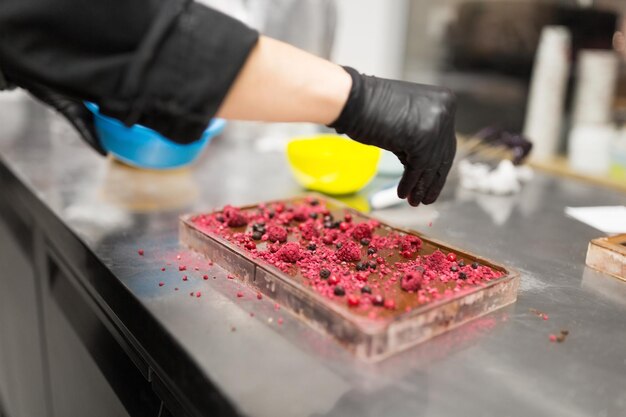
{"points": [[369, 339]]}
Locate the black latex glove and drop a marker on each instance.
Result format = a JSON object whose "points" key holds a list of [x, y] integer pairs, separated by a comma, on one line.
{"points": [[414, 121], [73, 110]]}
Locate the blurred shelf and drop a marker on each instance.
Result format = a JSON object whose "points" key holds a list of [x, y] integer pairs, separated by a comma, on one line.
{"points": [[559, 166]]}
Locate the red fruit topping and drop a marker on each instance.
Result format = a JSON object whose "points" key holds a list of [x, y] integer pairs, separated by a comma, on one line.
{"points": [[290, 252], [300, 215], [362, 230], [553, 338], [308, 230], [234, 217], [198, 294], [230, 276], [349, 252], [412, 281], [408, 245], [353, 300], [378, 300], [259, 296], [239, 294], [205, 277], [322, 246], [280, 320], [276, 306], [185, 278], [330, 236], [163, 269], [161, 284], [140, 252], [276, 234]]}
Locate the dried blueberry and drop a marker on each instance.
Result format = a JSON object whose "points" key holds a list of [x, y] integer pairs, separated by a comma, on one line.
{"points": [[324, 273], [271, 214], [328, 218], [360, 266], [338, 290], [311, 246], [462, 275], [373, 264], [474, 265], [371, 250], [378, 300], [313, 215], [256, 235], [336, 224], [314, 202], [366, 289], [461, 264], [219, 218], [328, 225], [339, 245], [365, 241], [454, 268]]}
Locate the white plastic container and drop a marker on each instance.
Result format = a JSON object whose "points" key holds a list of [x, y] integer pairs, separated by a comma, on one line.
{"points": [[590, 148], [618, 156], [547, 92], [595, 87]]}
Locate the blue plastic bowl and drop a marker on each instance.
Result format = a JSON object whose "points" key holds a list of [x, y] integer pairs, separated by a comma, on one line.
{"points": [[145, 148]]}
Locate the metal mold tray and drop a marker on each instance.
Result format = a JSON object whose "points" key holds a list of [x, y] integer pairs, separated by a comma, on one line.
{"points": [[369, 339]]}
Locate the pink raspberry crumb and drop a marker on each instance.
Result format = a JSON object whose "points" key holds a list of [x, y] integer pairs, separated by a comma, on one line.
{"points": [[349, 252]]}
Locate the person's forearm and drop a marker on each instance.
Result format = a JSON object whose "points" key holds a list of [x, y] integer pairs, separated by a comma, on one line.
{"points": [[280, 83]]}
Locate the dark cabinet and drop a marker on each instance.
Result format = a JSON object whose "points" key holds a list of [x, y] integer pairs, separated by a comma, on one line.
{"points": [[90, 373], [22, 371], [60, 355]]}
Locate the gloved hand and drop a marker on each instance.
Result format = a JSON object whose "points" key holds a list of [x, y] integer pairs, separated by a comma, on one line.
{"points": [[73, 110], [414, 121]]}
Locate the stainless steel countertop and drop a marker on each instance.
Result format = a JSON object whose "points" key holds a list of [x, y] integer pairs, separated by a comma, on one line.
{"points": [[500, 365]]}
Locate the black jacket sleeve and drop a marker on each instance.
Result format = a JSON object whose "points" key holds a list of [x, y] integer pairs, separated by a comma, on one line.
{"points": [[166, 64]]}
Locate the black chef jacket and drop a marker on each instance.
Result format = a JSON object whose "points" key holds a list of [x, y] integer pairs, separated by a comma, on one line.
{"points": [[166, 64]]}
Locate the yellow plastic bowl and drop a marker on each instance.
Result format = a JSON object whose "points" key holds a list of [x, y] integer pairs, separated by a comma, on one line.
{"points": [[332, 164]]}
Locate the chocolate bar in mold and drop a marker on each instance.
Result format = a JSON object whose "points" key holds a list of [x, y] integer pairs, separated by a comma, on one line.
{"points": [[369, 339]]}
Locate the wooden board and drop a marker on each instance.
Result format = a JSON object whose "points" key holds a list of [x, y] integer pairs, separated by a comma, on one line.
{"points": [[608, 255], [558, 165], [368, 339]]}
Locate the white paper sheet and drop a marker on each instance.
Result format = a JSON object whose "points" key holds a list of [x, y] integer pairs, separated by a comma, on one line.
{"points": [[608, 219]]}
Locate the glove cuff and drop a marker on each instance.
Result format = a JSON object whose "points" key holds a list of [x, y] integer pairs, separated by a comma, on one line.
{"points": [[353, 105], [5, 84]]}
